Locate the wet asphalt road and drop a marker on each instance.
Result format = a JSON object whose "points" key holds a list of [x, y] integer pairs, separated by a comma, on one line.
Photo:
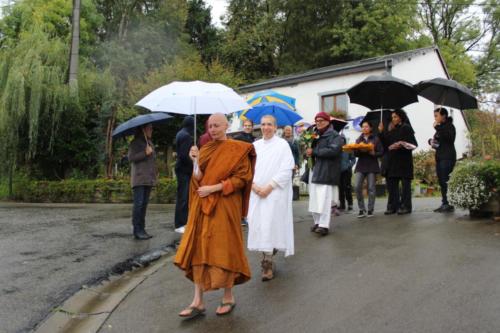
{"points": [[424, 272], [48, 251]]}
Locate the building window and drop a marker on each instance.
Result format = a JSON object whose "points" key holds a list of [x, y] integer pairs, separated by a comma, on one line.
{"points": [[334, 103]]}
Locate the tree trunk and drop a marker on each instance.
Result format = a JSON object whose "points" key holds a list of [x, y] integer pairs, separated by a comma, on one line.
{"points": [[11, 176], [74, 51], [109, 143]]}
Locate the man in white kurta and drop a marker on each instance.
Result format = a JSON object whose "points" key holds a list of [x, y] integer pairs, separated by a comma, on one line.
{"points": [[270, 216]]}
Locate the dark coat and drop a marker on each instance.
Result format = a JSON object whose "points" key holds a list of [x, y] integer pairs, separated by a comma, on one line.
{"points": [[347, 160], [294, 147], [183, 143], [143, 168], [368, 163], [327, 154], [245, 137], [445, 136], [399, 162]]}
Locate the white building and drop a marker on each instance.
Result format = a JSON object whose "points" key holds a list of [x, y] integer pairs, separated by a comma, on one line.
{"points": [[323, 89]]}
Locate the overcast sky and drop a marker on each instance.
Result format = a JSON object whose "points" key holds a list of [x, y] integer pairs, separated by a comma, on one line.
{"points": [[218, 9]]}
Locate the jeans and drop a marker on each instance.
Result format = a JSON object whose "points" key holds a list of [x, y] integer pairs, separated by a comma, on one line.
{"points": [[141, 200], [360, 179], [182, 199], [399, 199], [345, 188], [443, 170]]}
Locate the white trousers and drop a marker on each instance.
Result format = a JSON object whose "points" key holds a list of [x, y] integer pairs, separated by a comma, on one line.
{"points": [[320, 202]]}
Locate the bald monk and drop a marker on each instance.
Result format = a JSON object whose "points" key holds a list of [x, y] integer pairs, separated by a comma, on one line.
{"points": [[211, 251]]}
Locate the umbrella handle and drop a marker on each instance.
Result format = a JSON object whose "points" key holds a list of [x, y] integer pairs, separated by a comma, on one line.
{"points": [[145, 137]]}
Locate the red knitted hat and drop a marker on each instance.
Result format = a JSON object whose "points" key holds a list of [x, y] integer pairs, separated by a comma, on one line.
{"points": [[322, 115]]}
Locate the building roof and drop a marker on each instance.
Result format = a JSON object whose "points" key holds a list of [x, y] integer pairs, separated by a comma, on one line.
{"points": [[381, 62]]}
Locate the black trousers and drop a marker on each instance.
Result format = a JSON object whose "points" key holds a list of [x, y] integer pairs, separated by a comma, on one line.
{"points": [[443, 170], [345, 188], [182, 199], [141, 200], [399, 198]]}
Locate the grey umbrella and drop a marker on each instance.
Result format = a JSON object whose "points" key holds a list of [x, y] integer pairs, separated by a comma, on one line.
{"points": [[447, 93], [129, 127]]}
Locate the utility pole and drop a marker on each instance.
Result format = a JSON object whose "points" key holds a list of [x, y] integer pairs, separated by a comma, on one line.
{"points": [[74, 51]]}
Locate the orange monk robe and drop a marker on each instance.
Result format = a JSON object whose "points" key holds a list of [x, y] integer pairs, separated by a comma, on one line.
{"points": [[212, 251]]}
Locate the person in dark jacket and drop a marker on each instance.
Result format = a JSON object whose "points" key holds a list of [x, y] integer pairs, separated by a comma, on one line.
{"points": [[345, 188], [367, 168], [141, 155], [294, 146], [399, 159], [446, 156], [325, 175], [183, 170], [247, 135]]}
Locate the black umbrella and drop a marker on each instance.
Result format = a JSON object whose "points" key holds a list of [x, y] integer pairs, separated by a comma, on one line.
{"points": [[383, 92], [448, 93], [338, 124], [129, 127], [374, 117]]}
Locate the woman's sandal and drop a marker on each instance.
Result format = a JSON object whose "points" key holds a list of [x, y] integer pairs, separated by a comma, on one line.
{"points": [[231, 307], [195, 312]]}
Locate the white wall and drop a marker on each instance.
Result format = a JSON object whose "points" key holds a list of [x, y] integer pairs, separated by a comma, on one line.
{"points": [[422, 66]]}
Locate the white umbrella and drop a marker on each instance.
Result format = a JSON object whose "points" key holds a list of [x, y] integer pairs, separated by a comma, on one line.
{"points": [[192, 98]]}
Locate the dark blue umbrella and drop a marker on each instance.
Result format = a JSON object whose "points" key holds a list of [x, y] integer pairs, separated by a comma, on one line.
{"points": [[129, 127], [284, 115]]}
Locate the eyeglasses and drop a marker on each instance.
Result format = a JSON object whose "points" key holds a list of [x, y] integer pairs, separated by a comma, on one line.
{"points": [[321, 120]]}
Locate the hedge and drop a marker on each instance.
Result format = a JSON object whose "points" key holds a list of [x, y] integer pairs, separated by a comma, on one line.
{"points": [[88, 191]]}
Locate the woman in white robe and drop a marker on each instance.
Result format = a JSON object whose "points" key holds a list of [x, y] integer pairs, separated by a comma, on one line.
{"points": [[270, 215]]}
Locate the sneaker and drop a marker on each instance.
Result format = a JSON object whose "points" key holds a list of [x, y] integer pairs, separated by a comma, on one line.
{"points": [[447, 209], [349, 208], [361, 214], [439, 209], [314, 227], [370, 213], [180, 230]]}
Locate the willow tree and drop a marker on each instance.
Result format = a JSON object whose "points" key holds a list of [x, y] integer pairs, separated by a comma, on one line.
{"points": [[32, 88]]}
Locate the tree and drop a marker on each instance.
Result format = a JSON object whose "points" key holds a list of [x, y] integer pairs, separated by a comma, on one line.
{"points": [[488, 64], [34, 97], [369, 28], [455, 31], [75, 44], [203, 35], [250, 41]]}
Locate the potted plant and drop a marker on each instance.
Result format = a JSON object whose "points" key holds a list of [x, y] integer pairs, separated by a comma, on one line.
{"points": [[474, 186]]}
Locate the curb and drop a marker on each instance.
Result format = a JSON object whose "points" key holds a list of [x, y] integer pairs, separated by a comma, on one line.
{"points": [[88, 309]]}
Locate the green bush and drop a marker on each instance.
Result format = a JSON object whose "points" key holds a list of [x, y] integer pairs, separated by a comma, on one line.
{"points": [[88, 191], [424, 164], [473, 183]]}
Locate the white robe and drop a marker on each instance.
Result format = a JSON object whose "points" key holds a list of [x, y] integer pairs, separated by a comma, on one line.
{"points": [[270, 219]]}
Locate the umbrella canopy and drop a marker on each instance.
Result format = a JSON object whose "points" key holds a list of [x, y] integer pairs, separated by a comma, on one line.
{"points": [[129, 127], [447, 92], [268, 96], [284, 116], [272, 96], [383, 92], [338, 124], [192, 98]]}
